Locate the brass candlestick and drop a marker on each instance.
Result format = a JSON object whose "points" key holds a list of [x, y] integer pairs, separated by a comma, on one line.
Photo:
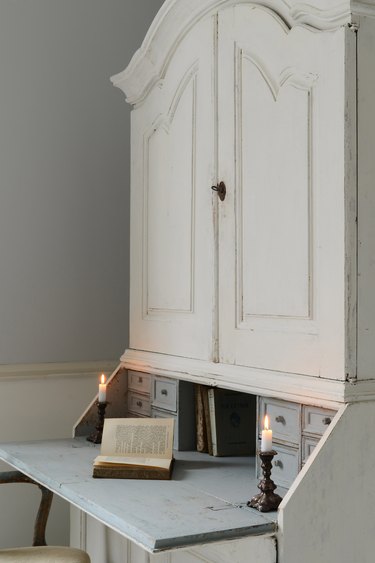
{"points": [[96, 436], [266, 500]]}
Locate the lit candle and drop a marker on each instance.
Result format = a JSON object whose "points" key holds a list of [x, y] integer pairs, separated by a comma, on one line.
{"points": [[266, 444], [102, 389]]}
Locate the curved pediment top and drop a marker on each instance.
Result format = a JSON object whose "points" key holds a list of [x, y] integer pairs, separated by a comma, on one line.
{"points": [[176, 17]]}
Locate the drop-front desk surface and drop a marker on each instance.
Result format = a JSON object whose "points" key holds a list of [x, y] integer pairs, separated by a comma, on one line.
{"points": [[204, 501]]}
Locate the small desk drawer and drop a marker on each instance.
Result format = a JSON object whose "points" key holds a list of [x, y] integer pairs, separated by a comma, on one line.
{"points": [[316, 420], [284, 419], [285, 465], [165, 394], [138, 381], [139, 404], [308, 446]]}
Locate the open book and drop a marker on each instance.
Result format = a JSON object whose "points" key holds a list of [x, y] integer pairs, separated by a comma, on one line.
{"points": [[136, 448]]}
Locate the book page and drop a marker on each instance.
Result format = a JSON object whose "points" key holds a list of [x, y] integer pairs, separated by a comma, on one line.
{"points": [[141, 438], [117, 461]]}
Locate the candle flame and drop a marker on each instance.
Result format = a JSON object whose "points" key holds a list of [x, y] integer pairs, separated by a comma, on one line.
{"points": [[103, 378], [266, 422]]}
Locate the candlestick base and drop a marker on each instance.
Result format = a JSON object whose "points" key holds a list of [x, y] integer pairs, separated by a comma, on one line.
{"points": [[96, 436], [266, 500]]}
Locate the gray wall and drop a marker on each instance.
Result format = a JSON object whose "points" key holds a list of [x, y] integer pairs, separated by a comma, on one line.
{"points": [[64, 177]]}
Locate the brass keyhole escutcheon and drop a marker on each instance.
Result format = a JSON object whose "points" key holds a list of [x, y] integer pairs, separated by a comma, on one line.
{"points": [[221, 190]]}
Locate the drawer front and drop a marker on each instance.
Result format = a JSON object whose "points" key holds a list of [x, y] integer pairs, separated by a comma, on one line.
{"points": [[308, 446], [316, 420], [139, 404], [138, 381], [285, 465], [284, 419], [165, 394]]}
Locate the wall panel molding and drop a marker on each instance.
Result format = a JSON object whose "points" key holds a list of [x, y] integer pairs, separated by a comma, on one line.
{"points": [[61, 370]]}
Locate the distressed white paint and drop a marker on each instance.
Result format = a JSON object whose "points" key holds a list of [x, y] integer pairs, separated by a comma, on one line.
{"points": [[250, 550], [176, 17], [323, 514], [294, 387], [171, 286], [251, 98], [305, 523], [363, 8], [194, 507], [310, 390], [366, 200], [350, 195], [281, 230], [106, 546]]}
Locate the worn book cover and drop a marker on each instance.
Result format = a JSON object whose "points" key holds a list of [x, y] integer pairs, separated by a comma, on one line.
{"points": [[232, 417], [207, 419], [201, 428], [136, 448]]}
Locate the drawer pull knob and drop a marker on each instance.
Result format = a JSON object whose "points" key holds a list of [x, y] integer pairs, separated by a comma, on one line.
{"points": [[139, 403], [327, 421], [140, 379], [278, 463], [280, 419], [164, 392]]}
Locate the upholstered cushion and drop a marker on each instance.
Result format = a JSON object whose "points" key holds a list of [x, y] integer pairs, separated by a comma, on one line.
{"points": [[43, 555]]}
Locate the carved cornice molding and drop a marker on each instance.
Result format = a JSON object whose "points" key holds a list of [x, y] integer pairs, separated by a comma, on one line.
{"points": [[322, 20], [176, 17], [363, 8]]}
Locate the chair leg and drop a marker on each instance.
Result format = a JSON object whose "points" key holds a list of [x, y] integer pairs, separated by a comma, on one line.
{"points": [[40, 525], [39, 538]]}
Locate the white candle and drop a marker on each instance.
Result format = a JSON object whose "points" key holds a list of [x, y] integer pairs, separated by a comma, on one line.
{"points": [[266, 444], [102, 389]]}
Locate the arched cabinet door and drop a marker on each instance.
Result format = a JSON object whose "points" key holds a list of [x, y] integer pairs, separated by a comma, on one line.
{"points": [[281, 226], [172, 241]]}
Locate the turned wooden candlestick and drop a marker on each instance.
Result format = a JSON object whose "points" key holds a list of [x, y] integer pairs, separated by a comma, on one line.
{"points": [[96, 436], [266, 500]]}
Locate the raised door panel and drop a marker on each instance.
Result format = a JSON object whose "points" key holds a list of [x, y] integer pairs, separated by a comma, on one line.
{"points": [[172, 242], [273, 207], [281, 226], [169, 242]]}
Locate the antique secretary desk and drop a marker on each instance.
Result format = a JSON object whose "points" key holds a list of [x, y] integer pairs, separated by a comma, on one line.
{"points": [[268, 287]]}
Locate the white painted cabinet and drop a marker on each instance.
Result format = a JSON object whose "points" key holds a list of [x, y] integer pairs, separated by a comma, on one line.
{"points": [[260, 96], [269, 290], [282, 226]]}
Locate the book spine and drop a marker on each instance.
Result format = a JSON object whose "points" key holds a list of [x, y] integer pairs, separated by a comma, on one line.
{"points": [[207, 419], [211, 405], [200, 422]]}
